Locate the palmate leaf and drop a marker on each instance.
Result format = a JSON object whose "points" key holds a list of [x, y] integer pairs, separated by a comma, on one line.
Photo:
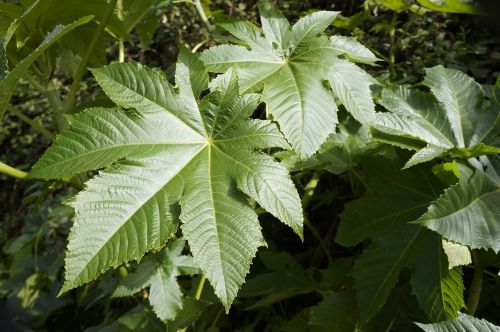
{"points": [[394, 199], [461, 323], [469, 211], [9, 82], [171, 149], [291, 64], [159, 272], [455, 119]]}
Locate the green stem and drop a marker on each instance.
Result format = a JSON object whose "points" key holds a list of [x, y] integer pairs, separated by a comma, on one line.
{"points": [[70, 100], [203, 16], [11, 171], [392, 49], [34, 124], [121, 46], [197, 295], [306, 199], [476, 285], [309, 189], [199, 290]]}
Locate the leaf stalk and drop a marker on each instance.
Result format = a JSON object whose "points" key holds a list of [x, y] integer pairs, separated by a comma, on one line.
{"points": [[11, 171], [476, 285]]}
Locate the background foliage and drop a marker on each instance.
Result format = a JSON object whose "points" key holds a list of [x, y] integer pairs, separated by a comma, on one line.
{"points": [[336, 279]]}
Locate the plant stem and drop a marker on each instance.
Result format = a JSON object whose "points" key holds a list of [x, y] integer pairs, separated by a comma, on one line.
{"points": [[11, 171], [476, 285], [392, 49], [203, 16], [34, 124], [306, 199], [309, 189], [199, 290], [121, 46], [70, 100]]}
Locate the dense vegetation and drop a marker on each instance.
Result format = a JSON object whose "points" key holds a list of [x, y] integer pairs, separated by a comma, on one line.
{"points": [[249, 166]]}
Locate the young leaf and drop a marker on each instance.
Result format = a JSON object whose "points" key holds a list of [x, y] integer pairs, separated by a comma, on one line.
{"points": [[171, 149], [461, 323], [291, 64], [9, 83], [454, 120], [468, 212], [159, 272], [394, 199]]}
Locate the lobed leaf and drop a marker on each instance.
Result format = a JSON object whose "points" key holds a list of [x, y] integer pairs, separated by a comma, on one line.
{"points": [[171, 148]]}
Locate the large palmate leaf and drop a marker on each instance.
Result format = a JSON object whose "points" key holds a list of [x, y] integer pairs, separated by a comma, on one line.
{"points": [[9, 82], [461, 323], [454, 119], [469, 211], [291, 64], [159, 272], [171, 149], [394, 199]]}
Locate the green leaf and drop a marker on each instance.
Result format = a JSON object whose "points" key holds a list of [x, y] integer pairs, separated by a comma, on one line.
{"points": [[461, 323], [341, 151], [9, 83], [4, 66], [353, 49], [139, 319], [394, 199], [438, 289], [451, 6], [133, 12], [171, 149], [336, 312], [455, 119], [159, 272], [290, 66], [467, 213]]}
